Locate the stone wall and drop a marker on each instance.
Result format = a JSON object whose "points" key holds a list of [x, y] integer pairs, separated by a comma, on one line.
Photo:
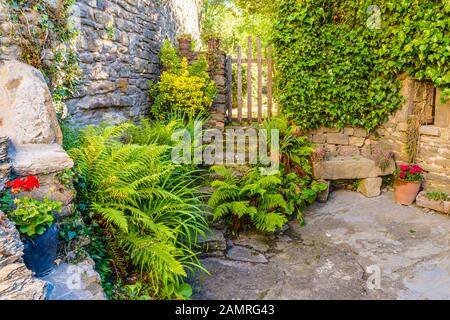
{"points": [[434, 142], [118, 50]]}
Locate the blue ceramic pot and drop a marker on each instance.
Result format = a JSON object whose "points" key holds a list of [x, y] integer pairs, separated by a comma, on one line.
{"points": [[40, 252]]}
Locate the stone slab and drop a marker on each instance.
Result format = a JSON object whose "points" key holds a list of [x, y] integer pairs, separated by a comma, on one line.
{"points": [[354, 167], [36, 159]]}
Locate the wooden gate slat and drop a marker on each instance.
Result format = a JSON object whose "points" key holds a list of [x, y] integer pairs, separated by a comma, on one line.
{"points": [[239, 84], [249, 80], [229, 86], [269, 82], [260, 80]]}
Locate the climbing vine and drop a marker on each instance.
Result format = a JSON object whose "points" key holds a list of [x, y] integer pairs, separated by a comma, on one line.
{"points": [[337, 61], [46, 36]]}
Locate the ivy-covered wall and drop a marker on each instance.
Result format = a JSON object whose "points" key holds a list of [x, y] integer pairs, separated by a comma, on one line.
{"points": [[118, 51], [337, 61]]}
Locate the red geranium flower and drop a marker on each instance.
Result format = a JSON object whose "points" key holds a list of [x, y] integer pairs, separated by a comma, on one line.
{"points": [[416, 169], [404, 168], [30, 183], [402, 175], [25, 184]]}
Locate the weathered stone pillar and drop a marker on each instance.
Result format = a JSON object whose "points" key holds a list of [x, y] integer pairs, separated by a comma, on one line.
{"points": [[217, 69]]}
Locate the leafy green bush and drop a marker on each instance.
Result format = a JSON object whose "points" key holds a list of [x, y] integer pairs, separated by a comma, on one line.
{"points": [[148, 207], [33, 217], [334, 70], [264, 202], [182, 88]]}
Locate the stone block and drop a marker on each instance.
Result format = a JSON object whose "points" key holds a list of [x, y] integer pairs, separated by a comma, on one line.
{"points": [[430, 131], [355, 167], [441, 206], [122, 85], [349, 131], [359, 132], [370, 187], [337, 138], [357, 141]]}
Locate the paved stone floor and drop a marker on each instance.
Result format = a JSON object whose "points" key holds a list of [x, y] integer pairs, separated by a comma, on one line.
{"points": [[346, 243]]}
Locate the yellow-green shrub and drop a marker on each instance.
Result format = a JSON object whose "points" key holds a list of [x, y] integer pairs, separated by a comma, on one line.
{"points": [[182, 88]]}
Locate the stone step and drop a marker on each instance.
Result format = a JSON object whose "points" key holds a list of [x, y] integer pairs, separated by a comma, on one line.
{"points": [[36, 159]]}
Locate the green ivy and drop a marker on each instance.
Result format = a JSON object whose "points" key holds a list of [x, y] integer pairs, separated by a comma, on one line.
{"points": [[334, 70], [53, 32]]}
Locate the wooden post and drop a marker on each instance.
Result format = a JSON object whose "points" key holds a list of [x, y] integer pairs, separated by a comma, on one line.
{"points": [[229, 87], [239, 84], [260, 97], [269, 82], [249, 80]]}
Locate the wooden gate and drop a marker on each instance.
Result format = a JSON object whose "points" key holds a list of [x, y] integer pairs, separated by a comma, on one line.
{"points": [[263, 108]]}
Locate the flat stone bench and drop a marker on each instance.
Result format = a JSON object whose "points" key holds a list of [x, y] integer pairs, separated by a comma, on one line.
{"points": [[354, 168]]}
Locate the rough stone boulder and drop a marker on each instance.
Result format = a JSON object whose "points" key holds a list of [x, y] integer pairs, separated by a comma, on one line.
{"points": [[28, 120], [16, 281], [352, 167], [27, 113]]}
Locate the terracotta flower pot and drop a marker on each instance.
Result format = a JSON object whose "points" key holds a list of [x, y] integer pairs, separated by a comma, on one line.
{"points": [[406, 191]]}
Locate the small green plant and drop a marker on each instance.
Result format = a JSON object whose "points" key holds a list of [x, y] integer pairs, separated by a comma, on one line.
{"points": [[295, 149], [437, 196], [32, 217], [6, 201]]}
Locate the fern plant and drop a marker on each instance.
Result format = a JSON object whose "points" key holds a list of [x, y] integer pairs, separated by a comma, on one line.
{"points": [[254, 199], [148, 206], [295, 149], [264, 202]]}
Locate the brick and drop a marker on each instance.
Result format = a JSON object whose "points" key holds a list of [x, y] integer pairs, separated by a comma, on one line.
{"points": [[337, 138]]}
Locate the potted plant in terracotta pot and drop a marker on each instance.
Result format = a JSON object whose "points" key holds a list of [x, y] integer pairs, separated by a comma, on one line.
{"points": [[35, 221], [185, 42], [408, 180]]}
